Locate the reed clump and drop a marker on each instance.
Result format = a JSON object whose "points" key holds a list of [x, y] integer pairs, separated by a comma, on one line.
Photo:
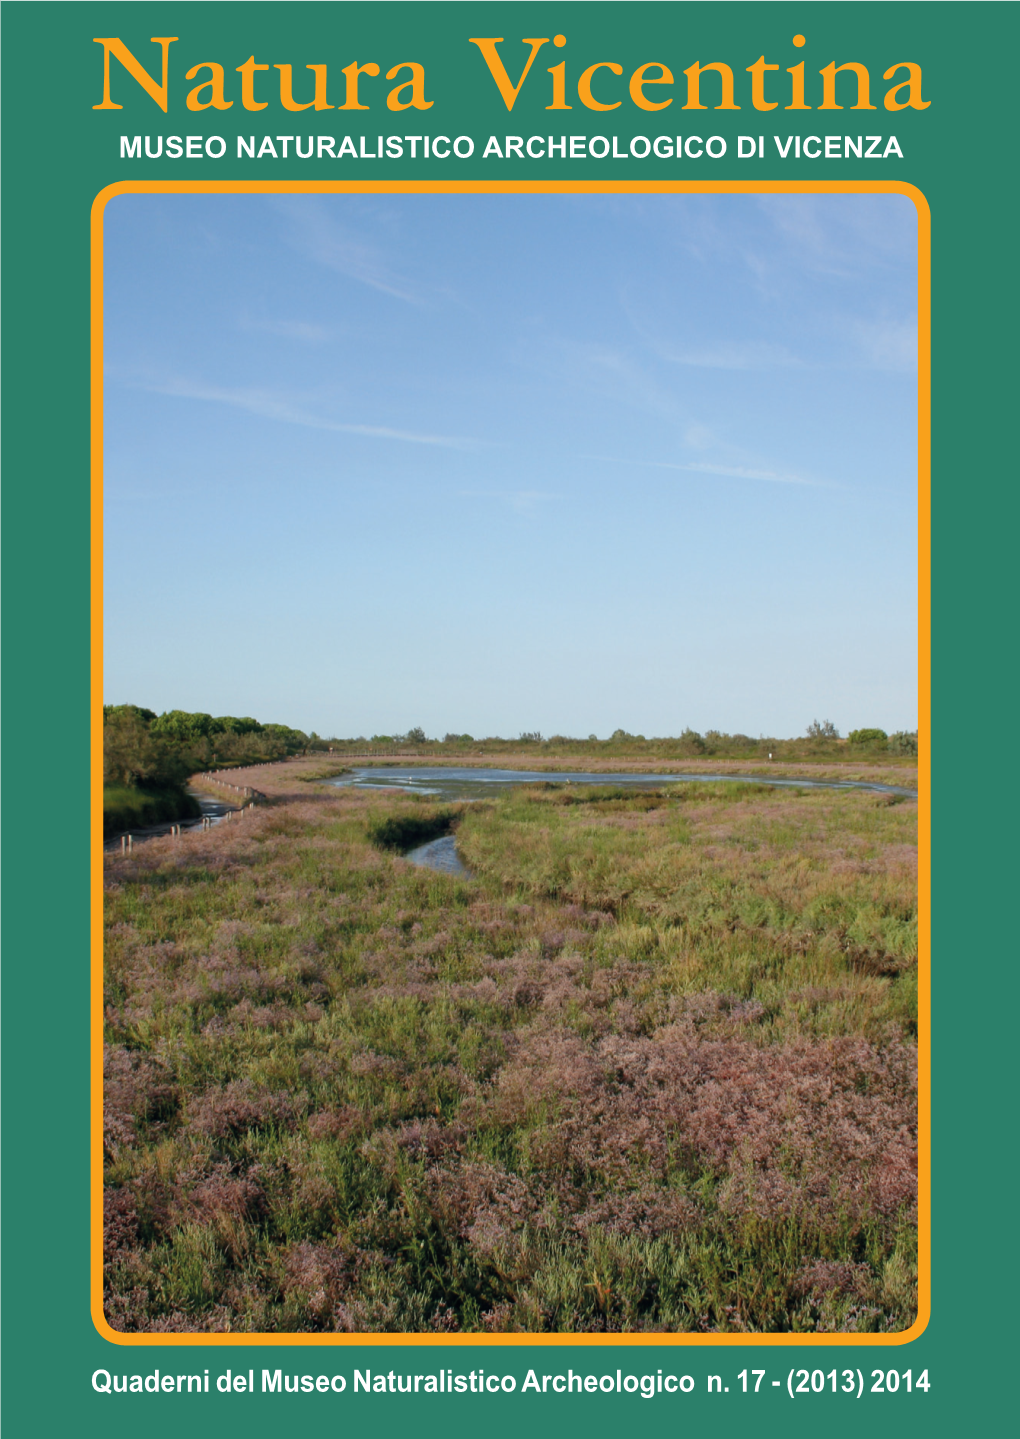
{"points": [[652, 1069]]}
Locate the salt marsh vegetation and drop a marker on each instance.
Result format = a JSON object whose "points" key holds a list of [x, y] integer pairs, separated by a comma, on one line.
{"points": [[651, 1068]]}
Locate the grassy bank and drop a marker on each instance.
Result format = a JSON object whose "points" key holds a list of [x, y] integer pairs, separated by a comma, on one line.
{"points": [[653, 1068], [315, 771], [126, 807]]}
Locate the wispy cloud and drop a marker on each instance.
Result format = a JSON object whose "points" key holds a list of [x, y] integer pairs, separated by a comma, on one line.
{"points": [[834, 235], [522, 501], [595, 368], [302, 330], [728, 355], [329, 241], [731, 472], [887, 344], [272, 406]]}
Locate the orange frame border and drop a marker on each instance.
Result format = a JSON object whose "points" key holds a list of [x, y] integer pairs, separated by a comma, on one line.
{"points": [[468, 187]]}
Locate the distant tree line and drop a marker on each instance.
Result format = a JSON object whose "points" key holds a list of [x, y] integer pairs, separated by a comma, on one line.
{"points": [[821, 737]]}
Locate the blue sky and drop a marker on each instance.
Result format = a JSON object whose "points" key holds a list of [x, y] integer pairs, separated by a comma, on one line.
{"points": [[504, 463]]}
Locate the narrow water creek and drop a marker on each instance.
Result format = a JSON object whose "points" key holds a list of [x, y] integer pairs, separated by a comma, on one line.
{"points": [[213, 812], [440, 854]]}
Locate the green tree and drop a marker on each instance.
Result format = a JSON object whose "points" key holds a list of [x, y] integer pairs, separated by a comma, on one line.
{"points": [[291, 740], [183, 726], [230, 724], [822, 729], [135, 757], [146, 716]]}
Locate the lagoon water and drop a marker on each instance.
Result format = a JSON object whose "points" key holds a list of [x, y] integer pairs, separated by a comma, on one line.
{"points": [[449, 782]]}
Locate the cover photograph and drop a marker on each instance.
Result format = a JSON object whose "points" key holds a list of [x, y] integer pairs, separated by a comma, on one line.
{"points": [[445, 1030]]}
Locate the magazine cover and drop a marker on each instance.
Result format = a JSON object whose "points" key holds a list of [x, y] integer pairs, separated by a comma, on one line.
{"points": [[493, 537]]}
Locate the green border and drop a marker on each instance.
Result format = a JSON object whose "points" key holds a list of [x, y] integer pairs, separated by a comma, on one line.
{"points": [[59, 154]]}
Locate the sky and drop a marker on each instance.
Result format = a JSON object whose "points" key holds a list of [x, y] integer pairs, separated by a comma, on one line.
{"points": [[505, 463]]}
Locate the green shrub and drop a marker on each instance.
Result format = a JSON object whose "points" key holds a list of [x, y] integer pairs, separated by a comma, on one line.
{"points": [[903, 742], [867, 736]]}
